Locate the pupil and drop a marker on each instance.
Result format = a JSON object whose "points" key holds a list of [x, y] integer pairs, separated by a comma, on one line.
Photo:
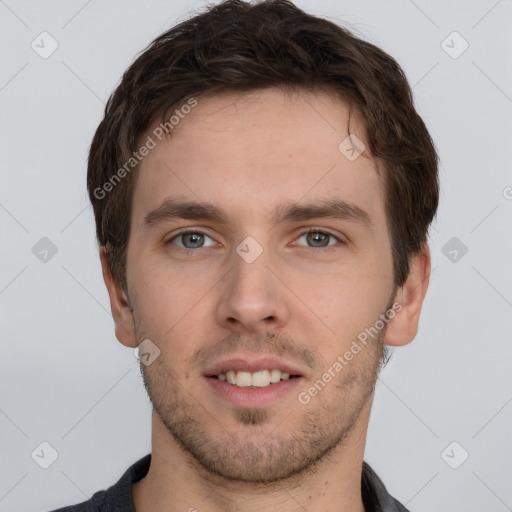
{"points": [[195, 238], [314, 238]]}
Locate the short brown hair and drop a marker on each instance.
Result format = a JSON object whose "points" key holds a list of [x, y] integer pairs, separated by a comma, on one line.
{"points": [[235, 46]]}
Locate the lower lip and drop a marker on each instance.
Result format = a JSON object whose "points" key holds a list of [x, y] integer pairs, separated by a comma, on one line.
{"points": [[253, 397]]}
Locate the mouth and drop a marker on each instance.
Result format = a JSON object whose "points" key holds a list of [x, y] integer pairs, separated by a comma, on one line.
{"points": [[249, 383], [258, 379]]}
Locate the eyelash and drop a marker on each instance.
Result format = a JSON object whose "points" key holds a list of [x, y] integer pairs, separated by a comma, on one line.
{"points": [[308, 231]]}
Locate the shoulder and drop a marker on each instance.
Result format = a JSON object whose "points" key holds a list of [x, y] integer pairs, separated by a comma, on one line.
{"points": [[375, 495], [118, 497], [94, 504]]}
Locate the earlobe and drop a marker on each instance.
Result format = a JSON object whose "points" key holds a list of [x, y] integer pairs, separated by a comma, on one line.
{"points": [[404, 326], [122, 311]]}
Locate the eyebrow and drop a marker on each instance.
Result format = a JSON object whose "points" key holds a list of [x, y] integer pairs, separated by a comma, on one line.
{"points": [[172, 209]]}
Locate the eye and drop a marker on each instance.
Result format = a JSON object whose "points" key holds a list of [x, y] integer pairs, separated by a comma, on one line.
{"points": [[194, 239], [191, 240], [319, 239]]}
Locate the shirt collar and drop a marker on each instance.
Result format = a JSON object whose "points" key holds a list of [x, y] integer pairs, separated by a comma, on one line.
{"points": [[374, 493]]}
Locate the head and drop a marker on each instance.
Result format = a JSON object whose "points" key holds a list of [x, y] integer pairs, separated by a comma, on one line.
{"points": [[245, 110]]}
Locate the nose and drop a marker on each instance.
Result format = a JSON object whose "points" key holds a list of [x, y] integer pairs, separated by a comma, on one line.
{"points": [[252, 297]]}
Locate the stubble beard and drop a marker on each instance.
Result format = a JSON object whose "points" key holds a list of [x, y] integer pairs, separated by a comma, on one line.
{"points": [[261, 450]]}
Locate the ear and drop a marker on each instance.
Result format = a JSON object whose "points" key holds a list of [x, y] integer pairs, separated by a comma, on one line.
{"points": [[402, 329], [119, 305]]}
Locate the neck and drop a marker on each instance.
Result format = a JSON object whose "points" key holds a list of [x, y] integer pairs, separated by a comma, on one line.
{"points": [[176, 481]]}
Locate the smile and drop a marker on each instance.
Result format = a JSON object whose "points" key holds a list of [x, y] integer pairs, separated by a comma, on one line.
{"points": [[259, 379]]}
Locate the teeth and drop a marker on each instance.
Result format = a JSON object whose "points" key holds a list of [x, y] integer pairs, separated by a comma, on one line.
{"points": [[275, 376], [259, 379], [243, 379]]}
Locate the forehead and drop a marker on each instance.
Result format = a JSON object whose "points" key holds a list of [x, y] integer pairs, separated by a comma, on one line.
{"points": [[251, 153]]}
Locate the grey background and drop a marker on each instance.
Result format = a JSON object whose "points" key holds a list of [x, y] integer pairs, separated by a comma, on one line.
{"points": [[65, 379]]}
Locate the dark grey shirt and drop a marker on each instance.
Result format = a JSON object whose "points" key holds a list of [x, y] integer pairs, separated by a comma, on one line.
{"points": [[118, 498]]}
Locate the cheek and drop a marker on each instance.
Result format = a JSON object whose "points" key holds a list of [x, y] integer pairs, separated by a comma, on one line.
{"points": [[347, 305], [172, 307]]}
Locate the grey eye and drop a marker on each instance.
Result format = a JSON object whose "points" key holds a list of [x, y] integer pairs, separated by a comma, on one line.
{"points": [[318, 239], [191, 240]]}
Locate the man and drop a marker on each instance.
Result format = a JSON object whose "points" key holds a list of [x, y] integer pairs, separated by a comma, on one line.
{"points": [[262, 188]]}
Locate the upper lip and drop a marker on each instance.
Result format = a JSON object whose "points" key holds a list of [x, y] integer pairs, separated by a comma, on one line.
{"points": [[252, 364]]}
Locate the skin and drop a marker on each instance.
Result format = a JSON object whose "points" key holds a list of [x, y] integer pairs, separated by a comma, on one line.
{"points": [[249, 154]]}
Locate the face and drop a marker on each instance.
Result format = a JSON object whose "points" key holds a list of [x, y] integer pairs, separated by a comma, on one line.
{"points": [[258, 249]]}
